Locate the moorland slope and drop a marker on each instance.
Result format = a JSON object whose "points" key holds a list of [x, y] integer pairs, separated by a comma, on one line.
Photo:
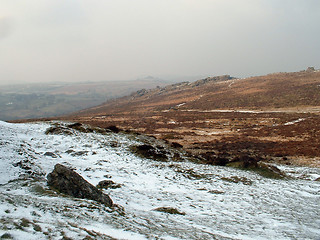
{"points": [[275, 116]]}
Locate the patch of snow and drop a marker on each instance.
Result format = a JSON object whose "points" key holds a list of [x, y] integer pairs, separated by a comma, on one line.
{"points": [[210, 133], [222, 111], [181, 104], [294, 122], [230, 84]]}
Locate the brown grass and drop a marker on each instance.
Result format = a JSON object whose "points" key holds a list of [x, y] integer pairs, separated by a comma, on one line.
{"points": [[276, 98]]}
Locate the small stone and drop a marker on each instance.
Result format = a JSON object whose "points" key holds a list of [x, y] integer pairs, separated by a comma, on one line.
{"points": [[51, 154], [169, 210], [6, 236], [108, 184]]}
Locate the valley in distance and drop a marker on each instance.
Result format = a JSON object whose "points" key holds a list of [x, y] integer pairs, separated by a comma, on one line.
{"points": [[38, 100]]}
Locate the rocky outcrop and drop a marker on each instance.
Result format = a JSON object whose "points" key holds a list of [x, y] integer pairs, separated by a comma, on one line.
{"points": [[176, 145], [59, 130], [113, 129], [147, 151], [67, 181], [247, 162], [140, 93], [211, 79], [310, 69], [63, 129]]}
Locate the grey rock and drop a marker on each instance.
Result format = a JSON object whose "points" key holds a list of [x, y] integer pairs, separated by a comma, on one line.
{"points": [[67, 181]]}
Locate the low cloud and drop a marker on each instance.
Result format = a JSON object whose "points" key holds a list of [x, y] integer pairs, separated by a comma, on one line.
{"points": [[6, 27], [111, 40]]}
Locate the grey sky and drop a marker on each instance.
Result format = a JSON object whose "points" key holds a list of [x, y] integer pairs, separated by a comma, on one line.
{"points": [[97, 40]]}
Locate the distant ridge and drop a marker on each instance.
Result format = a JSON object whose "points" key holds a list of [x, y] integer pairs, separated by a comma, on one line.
{"points": [[278, 90]]}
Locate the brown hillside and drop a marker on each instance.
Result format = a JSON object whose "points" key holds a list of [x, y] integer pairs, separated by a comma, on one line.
{"points": [[276, 116]]}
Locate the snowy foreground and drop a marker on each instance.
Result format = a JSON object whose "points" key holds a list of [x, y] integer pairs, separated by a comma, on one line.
{"points": [[215, 207]]}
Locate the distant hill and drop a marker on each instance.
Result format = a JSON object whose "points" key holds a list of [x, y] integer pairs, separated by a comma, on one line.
{"points": [[273, 91], [273, 115]]}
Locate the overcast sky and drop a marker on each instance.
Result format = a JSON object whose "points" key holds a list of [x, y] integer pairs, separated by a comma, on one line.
{"points": [[97, 40]]}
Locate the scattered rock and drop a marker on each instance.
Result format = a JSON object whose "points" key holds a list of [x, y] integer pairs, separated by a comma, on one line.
{"points": [[79, 153], [270, 171], [244, 161], [176, 145], [6, 236], [24, 164], [29, 167], [310, 69], [318, 179], [213, 159], [69, 151], [37, 228], [25, 222], [211, 79], [114, 144], [255, 164], [191, 174], [75, 125], [67, 181], [80, 127], [169, 210], [216, 192], [140, 93], [236, 179], [177, 157], [51, 154], [148, 151], [108, 184], [113, 128], [59, 130]]}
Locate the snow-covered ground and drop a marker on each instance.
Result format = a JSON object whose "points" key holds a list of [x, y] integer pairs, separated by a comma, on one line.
{"points": [[218, 202]]}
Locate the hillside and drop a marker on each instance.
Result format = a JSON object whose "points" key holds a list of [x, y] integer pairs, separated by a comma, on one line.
{"points": [[159, 197], [274, 116]]}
